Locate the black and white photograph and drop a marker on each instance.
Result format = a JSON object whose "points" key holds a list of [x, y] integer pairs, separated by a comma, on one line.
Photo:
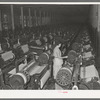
{"points": [[49, 46]]}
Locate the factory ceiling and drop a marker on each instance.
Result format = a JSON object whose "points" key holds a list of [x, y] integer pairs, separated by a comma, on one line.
{"points": [[68, 10], [65, 10]]}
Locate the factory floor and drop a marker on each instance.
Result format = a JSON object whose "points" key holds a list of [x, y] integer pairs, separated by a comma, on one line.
{"points": [[98, 71], [50, 85], [98, 65]]}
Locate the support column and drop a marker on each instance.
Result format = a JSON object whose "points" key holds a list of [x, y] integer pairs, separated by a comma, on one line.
{"points": [[30, 22], [12, 18], [98, 38], [51, 18], [0, 22], [47, 18], [35, 18], [22, 17], [44, 18], [40, 18]]}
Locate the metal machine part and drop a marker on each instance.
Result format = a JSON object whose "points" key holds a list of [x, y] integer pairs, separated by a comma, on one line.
{"points": [[76, 47], [7, 55], [64, 76], [83, 86], [22, 77], [21, 51], [25, 48], [41, 77], [43, 58], [76, 76], [87, 48], [72, 55], [68, 75], [7, 61], [18, 80]]}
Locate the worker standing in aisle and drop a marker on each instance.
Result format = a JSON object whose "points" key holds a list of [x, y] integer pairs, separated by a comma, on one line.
{"points": [[58, 60]]}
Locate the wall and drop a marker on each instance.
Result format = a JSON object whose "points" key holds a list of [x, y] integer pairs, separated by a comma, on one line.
{"points": [[70, 19], [94, 16], [76, 19], [95, 31]]}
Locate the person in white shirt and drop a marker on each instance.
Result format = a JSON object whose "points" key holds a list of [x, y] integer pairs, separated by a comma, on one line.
{"points": [[58, 60]]}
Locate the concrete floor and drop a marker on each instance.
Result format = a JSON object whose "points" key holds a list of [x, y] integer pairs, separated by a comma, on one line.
{"points": [[50, 85]]}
